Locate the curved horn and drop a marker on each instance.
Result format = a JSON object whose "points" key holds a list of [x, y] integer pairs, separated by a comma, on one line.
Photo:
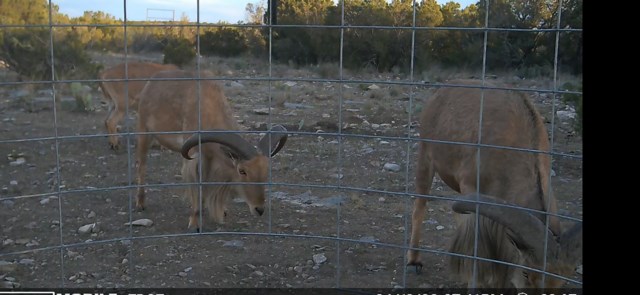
{"points": [[235, 142], [526, 230], [277, 141]]}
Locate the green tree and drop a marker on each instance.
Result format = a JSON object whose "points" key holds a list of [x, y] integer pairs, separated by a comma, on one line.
{"points": [[256, 41], [299, 45], [570, 53], [223, 41], [27, 51]]}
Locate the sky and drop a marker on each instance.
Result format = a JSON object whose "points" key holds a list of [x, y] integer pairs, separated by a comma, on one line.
{"points": [[211, 11]]}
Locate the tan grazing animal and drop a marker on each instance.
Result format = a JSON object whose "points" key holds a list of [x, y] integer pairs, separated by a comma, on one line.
{"points": [[517, 177], [114, 92], [172, 106]]}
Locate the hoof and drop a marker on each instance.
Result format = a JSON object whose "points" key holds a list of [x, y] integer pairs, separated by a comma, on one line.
{"points": [[139, 208], [417, 265]]}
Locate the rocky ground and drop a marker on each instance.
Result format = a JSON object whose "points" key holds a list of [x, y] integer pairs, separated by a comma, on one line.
{"points": [[338, 213]]}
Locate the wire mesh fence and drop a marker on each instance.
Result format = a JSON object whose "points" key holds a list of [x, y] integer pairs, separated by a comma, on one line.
{"points": [[339, 195]]}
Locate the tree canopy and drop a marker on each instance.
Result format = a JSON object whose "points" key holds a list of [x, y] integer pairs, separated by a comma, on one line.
{"points": [[446, 35]]}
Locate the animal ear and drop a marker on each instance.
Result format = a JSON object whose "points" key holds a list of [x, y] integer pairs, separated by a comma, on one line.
{"points": [[230, 153]]}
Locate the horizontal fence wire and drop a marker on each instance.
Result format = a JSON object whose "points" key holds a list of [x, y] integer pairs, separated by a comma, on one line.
{"points": [[341, 134]]}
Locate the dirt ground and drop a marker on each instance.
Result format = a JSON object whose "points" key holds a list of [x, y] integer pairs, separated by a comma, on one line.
{"points": [[326, 188]]}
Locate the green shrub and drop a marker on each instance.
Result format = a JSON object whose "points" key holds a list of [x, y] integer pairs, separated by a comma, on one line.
{"points": [[179, 52], [27, 51], [83, 97], [225, 42]]}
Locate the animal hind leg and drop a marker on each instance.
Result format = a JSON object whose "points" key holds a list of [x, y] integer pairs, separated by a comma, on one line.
{"points": [[142, 149], [112, 126], [424, 179]]}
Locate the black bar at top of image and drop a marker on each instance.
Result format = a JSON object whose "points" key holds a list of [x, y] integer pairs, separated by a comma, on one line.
{"points": [[286, 291]]}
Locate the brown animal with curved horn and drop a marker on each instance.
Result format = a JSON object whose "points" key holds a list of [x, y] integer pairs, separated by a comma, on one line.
{"points": [[172, 106], [515, 177]]}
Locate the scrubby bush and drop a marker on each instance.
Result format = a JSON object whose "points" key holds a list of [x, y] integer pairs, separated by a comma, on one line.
{"points": [[82, 95], [226, 42], [28, 53], [179, 52]]}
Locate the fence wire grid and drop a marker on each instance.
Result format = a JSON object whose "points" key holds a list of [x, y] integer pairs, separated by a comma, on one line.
{"points": [[338, 249]]}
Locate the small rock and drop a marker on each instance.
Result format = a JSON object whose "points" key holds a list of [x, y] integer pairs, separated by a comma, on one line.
{"points": [[579, 269], [91, 214], [17, 162], [367, 150], [7, 242], [10, 279], [439, 227], [373, 87], [383, 142], [566, 115], [233, 243], [73, 278], [188, 269], [87, 228], [425, 286], [375, 126], [258, 273], [319, 258], [290, 83], [368, 239], [553, 173], [261, 111], [235, 84], [297, 268], [32, 243], [141, 222], [31, 225], [22, 241], [326, 116], [431, 221], [13, 182], [124, 261], [9, 284], [381, 199], [26, 261], [391, 167], [44, 201], [7, 267], [337, 175], [182, 274]]}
